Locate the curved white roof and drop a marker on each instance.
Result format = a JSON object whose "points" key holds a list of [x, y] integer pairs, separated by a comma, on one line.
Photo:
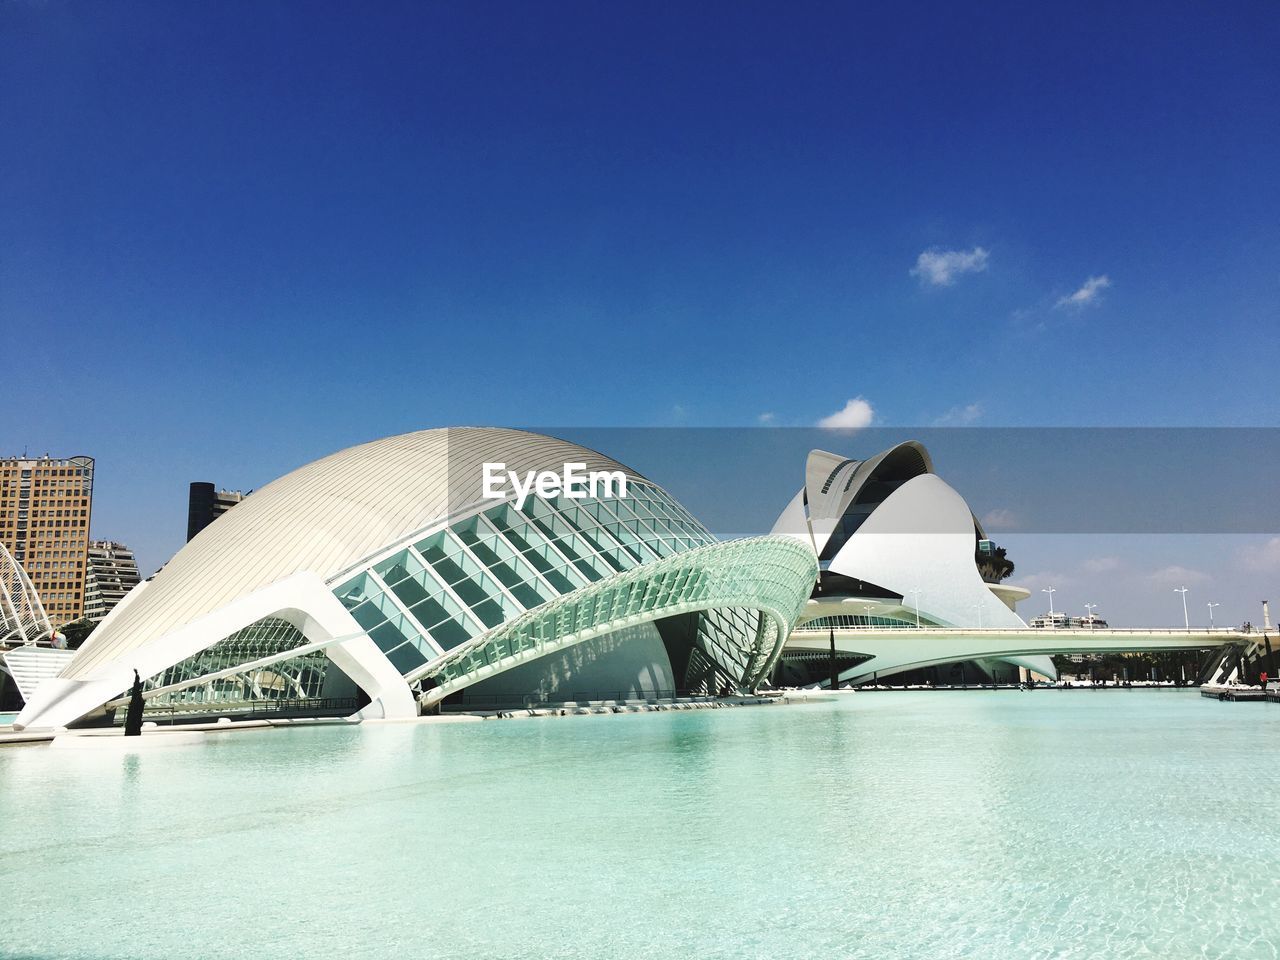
{"points": [[325, 518], [921, 538], [832, 483]]}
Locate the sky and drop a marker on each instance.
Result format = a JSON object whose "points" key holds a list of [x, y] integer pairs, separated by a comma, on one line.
{"points": [[235, 237]]}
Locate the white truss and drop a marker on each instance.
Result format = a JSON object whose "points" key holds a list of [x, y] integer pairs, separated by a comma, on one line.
{"points": [[22, 615]]}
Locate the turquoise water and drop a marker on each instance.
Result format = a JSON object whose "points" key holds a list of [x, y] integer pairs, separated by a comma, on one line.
{"points": [[913, 825]]}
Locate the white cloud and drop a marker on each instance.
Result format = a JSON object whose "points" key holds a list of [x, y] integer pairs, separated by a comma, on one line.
{"points": [[960, 416], [1091, 292], [1176, 576], [1101, 564], [940, 268], [999, 519], [767, 419], [854, 415], [1264, 557], [1039, 581]]}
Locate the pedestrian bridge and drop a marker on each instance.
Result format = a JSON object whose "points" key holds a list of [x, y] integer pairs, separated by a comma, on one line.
{"points": [[889, 650]]}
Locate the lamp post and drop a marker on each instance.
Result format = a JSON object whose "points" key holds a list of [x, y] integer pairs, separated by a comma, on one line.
{"points": [[1211, 606], [915, 593], [1050, 591], [1088, 613], [978, 608], [1186, 617], [868, 607]]}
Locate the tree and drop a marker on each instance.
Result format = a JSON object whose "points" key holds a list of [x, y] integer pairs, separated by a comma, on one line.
{"points": [[994, 566], [77, 631]]}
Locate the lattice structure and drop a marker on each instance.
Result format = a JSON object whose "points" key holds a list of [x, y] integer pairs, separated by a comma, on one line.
{"points": [[22, 615], [768, 575], [300, 677]]}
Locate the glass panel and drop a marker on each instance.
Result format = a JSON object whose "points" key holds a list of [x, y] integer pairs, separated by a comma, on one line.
{"points": [[405, 657], [398, 567], [356, 589], [368, 615], [602, 546], [410, 591], [490, 611], [474, 587], [449, 634], [517, 575], [533, 548]]}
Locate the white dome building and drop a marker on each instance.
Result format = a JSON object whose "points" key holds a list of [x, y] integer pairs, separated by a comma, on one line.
{"points": [[389, 577], [896, 547]]}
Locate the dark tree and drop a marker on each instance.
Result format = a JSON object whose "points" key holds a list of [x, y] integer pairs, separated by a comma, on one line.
{"points": [[77, 631]]}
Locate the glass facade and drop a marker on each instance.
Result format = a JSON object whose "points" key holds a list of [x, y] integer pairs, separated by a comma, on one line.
{"points": [[295, 678], [729, 585], [720, 634], [490, 589], [478, 573]]}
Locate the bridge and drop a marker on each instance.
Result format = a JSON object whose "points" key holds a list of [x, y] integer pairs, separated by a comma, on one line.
{"points": [[885, 650]]}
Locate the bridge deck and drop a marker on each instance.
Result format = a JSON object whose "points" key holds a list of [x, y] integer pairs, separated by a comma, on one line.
{"points": [[887, 650]]}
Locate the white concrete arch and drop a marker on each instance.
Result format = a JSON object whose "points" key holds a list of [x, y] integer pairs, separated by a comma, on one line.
{"points": [[302, 599]]}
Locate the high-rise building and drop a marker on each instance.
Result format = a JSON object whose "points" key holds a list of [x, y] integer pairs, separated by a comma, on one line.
{"points": [[45, 504], [206, 504], [112, 572]]}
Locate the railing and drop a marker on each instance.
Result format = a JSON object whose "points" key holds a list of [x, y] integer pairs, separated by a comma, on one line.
{"points": [[249, 709], [1172, 631], [43, 641], [577, 698], [868, 626]]}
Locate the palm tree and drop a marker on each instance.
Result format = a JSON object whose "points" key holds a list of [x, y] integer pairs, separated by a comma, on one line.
{"points": [[994, 566]]}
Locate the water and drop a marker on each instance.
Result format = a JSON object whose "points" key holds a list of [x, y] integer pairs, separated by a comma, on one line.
{"points": [[905, 825]]}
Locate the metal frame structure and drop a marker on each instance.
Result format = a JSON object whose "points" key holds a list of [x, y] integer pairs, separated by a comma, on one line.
{"points": [[770, 575], [22, 615]]}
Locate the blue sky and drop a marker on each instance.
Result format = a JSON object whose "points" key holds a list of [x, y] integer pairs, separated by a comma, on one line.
{"points": [[239, 236]]}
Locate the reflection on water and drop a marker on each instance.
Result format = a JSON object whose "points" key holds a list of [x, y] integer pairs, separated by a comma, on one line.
{"points": [[1117, 824]]}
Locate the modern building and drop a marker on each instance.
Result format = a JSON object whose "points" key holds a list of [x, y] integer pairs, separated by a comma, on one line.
{"points": [[45, 507], [1061, 621], [474, 566], [112, 573], [206, 504], [896, 548]]}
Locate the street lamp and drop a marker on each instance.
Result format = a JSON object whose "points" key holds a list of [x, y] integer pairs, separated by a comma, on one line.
{"points": [[1211, 606], [1186, 617], [1050, 591], [915, 592], [868, 607], [1089, 608], [978, 607]]}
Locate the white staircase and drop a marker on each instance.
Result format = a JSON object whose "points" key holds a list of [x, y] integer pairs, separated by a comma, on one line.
{"points": [[30, 666]]}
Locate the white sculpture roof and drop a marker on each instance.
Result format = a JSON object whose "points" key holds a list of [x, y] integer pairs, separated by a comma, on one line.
{"points": [[325, 518], [904, 530]]}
